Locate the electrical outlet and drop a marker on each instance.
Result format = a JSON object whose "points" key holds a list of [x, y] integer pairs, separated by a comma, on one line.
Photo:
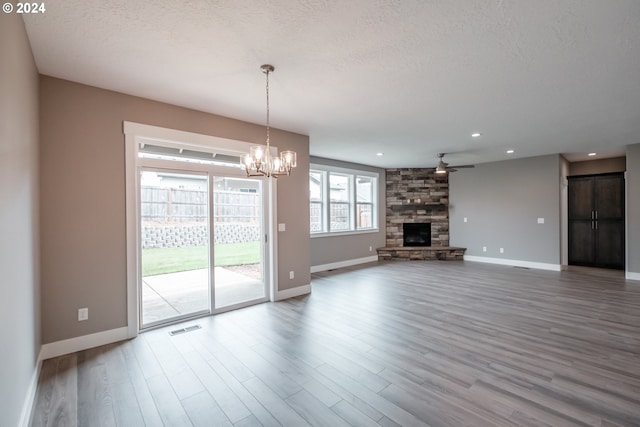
{"points": [[484, 249], [501, 250], [291, 275], [370, 248], [83, 314], [540, 220], [465, 219]]}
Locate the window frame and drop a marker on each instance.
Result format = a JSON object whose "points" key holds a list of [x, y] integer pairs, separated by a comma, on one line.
{"points": [[325, 172]]}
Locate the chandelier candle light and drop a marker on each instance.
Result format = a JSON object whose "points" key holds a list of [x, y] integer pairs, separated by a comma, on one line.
{"points": [[259, 162]]}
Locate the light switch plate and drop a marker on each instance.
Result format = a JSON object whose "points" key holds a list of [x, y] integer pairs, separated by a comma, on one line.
{"points": [[540, 220], [282, 227]]}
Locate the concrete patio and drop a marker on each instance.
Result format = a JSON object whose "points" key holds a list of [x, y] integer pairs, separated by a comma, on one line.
{"points": [[174, 294]]}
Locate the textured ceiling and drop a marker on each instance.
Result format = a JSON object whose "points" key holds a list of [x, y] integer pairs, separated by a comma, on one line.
{"points": [[409, 78]]}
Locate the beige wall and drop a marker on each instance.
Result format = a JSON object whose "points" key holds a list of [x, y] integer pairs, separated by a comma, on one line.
{"points": [[593, 167], [19, 277], [83, 200]]}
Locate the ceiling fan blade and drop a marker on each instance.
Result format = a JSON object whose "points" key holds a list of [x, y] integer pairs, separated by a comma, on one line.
{"points": [[455, 168]]}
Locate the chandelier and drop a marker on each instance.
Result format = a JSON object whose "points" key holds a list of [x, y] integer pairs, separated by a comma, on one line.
{"points": [[260, 161]]}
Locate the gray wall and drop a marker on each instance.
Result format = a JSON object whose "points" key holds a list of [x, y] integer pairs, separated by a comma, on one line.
{"points": [[327, 250], [19, 280], [82, 166], [502, 201], [633, 208]]}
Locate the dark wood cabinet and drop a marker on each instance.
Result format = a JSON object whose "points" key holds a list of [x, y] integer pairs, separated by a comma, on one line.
{"points": [[596, 220]]}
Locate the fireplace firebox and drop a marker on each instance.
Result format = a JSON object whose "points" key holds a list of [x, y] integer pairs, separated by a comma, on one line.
{"points": [[416, 234]]}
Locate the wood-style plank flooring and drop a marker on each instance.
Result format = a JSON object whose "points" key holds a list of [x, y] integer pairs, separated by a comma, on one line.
{"points": [[399, 343]]}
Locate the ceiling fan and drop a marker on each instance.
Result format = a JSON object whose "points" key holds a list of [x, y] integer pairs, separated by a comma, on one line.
{"points": [[443, 167]]}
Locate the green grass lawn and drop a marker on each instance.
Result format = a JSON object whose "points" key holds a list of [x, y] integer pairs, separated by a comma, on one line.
{"points": [[172, 260]]}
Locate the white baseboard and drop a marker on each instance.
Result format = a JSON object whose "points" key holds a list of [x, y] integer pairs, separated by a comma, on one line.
{"points": [[293, 292], [84, 342], [513, 263], [30, 398], [59, 348], [629, 275], [340, 264]]}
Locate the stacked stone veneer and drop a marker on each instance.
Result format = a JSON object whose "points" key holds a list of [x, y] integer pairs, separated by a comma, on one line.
{"points": [[417, 195], [171, 236]]}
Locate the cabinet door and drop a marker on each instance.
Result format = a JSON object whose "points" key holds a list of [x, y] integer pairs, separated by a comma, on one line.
{"points": [[609, 212], [609, 197], [581, 225], [581, 242], [581, 198], [610, 244]]}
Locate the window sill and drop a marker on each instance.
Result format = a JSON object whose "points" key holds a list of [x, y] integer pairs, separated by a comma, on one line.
{"points": [[345, 233]]}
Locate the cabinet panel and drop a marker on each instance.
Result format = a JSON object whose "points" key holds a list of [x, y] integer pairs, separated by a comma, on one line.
{"points": [[582, 243], [609, 195], [580, 198], [610, 244]]}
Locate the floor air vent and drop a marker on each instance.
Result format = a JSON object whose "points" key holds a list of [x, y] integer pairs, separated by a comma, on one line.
{"points": [[183, 330]]}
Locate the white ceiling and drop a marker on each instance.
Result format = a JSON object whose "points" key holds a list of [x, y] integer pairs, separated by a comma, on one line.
{"points": [[409, 78]]}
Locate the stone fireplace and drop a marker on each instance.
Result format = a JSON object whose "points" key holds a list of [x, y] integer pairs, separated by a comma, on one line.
{"points": [[415, 197]]}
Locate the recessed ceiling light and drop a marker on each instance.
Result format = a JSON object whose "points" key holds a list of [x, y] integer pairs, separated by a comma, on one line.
{"points": [[379, 154], [510, 151], [591, 154], [475, 135]]}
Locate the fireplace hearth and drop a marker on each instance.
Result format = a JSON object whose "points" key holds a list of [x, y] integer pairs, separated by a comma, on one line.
{"points": [[416, 234]]}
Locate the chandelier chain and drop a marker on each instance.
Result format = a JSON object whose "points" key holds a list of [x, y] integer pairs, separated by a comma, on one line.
{"points": [[268, 128]]}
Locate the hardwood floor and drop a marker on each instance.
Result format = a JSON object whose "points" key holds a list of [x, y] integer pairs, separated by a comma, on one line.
{"points": [[399, 343]]}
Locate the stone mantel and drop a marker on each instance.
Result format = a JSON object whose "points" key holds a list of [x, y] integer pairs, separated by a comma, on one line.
{"points": [[417, 206]]}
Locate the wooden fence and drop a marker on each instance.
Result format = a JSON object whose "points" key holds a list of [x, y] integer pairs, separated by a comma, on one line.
{"points": [[180, 205]]}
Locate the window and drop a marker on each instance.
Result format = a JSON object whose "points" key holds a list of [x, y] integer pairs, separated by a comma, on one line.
{"points": [[339, 202], [364, 202], [342, 200], [316, 197]]}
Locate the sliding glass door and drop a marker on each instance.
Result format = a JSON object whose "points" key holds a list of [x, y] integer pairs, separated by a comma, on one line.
{"points": [[238, 241], [174, 245], [202, 242]]}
